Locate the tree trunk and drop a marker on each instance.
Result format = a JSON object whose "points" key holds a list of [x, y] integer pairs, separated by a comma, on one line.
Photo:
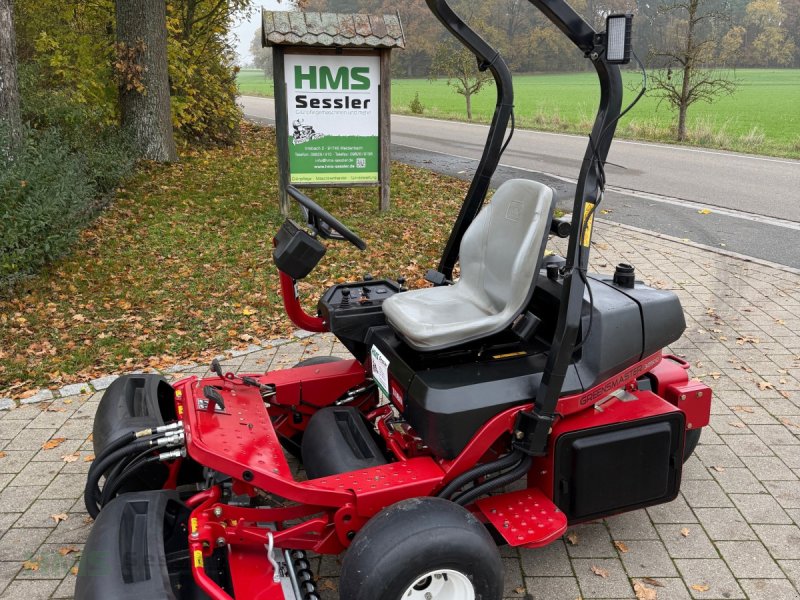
{"points": [[9, 88], [144, 91], [468, 98]]}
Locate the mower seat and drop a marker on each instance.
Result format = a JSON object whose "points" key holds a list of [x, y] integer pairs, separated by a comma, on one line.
{"points": [[500, 257]]}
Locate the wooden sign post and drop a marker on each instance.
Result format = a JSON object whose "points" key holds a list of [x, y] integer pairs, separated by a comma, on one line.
{"points": [[332, 98]]}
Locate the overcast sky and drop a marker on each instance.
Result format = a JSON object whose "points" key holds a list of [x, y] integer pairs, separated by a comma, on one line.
{"points": [[243, 28]]}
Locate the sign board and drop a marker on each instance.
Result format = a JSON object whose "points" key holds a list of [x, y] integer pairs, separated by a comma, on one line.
{"points": [[333, 110]]}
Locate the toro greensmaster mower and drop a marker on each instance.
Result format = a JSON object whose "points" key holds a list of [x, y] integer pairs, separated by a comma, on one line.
{"points": [[497, 407]]}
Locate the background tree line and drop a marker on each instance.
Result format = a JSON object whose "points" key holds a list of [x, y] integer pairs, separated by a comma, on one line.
{"points": [[745, 33]]}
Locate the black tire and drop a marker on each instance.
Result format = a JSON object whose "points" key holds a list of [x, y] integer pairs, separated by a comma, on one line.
{"points": [[292, 444], [414, 538], [690, 441]]}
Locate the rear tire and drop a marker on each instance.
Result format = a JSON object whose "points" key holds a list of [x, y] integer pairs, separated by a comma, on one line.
{"points": [[422, 548], [690, 441]]}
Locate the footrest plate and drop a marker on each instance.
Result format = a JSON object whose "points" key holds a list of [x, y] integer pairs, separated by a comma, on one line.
{"points": [[524, 518]]}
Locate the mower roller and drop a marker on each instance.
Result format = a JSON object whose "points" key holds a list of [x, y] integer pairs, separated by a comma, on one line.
{"points": [[497, 407]]}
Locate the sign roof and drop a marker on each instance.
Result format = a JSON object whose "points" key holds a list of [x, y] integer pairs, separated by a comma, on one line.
{"points": [[282, 28]]}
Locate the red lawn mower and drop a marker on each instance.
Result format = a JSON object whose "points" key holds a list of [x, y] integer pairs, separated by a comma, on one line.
{"points": [[499, 408]]}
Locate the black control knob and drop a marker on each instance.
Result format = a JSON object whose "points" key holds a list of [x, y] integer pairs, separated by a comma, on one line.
{"points": [[401, 281], [553, 271], [368, 277], [346, 296]]}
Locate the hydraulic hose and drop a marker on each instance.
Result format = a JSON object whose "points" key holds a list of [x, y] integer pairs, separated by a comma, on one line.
{"points": [[112, 487], [496, 482], [91, 493], [501, 463], [119, 472]]}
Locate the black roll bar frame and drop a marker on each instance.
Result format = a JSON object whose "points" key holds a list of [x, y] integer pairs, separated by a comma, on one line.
{"points": [[532, 428]]}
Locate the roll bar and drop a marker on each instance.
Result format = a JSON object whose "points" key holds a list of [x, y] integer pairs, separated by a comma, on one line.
{"points": [[532, 428]]}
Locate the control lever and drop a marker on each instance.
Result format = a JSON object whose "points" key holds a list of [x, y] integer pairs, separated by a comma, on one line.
{"points": [[217, 368], [212, 395]]}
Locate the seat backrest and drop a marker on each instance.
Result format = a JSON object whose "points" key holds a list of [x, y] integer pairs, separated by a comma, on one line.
{"points": [[501, 251]]}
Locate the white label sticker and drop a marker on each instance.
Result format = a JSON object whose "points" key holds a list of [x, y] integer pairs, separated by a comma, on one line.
{"points": [[380, 370]]}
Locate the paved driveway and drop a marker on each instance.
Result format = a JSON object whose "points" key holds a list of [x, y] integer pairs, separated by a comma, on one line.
{"points": [[732, 533]]}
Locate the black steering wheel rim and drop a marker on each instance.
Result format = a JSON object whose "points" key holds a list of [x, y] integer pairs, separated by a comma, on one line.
{"points": [[324, 216]]}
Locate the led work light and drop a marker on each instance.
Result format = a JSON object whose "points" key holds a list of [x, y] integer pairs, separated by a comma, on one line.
{"points": [[618, 39]]}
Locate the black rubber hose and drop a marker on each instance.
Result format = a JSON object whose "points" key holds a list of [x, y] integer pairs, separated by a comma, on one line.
{"points": [[501, 463], [91, 493], [111, 488], [119, 471], [496, 482]]}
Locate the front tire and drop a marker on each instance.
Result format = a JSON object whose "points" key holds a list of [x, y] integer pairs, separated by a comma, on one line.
{"points": [[422, 549], [690, 441]]}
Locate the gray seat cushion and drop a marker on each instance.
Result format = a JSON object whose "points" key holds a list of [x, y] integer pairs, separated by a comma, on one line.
{"points": [[499, 257]]}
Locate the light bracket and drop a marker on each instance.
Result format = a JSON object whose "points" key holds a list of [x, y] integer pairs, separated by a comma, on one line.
{"points": [[618, 39]]}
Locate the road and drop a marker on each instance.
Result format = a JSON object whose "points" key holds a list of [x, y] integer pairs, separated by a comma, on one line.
{"points": [[754, 201]]}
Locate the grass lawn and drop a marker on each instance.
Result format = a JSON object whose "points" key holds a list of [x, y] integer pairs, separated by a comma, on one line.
{"points": [[762, 116], [180, 267]]}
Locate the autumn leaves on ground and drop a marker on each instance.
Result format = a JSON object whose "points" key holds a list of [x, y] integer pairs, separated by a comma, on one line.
{"points": [[180, 267]]}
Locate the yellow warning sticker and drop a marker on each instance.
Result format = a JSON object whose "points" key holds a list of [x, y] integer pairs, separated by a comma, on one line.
{"points": [[194, 524], [198, 559], [587, 223]]}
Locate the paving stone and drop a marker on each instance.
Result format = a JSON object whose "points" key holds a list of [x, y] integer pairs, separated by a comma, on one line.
{"points": [[513, 585], [724, 524], [102, 383], [37, 473], [40, 396], [738, 481], [676, 511], [769, 589], [769, 468], [746, 445], [30, 439], [760, 508], [30, 590], [40, 511], [616, 585], [749, 559], [712, 573], [787, 493], [695, 544], [10, 428], [15, 460], [719, 456], [551, 560], [633, 525], [552, 588], [593, 540], [17, 499], [66, 485], [783, 541], [7, 404], [21, 543], [75, 389], [704, 494], [647, 558]]}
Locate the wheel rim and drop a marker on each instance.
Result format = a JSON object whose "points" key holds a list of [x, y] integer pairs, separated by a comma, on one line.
{"points": [[444, 584]]}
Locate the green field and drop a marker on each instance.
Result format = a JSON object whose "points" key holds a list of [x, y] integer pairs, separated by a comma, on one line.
{"points": [[763, 116]]}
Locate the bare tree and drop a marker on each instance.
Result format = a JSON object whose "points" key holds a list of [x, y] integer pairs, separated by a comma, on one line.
{"points": [[262, 57], [459, 66], [9, 87], [141, 66], [690, 45]]}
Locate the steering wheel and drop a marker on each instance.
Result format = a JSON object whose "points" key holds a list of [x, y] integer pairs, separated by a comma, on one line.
{"points": [[325, 217]]}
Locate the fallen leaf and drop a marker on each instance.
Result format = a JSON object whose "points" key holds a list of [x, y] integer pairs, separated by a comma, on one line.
{"points": [[765, 385], [685, 532], [59, 517], [718, 469], [786, 395], [88, 458], [704, 211], [64, 550], [700, 587], [3, 454], [70, 458], [53, 443], [572, 538], [643, 592], [737, 424], [651, 581], [744, 409], [600, 571], [326, 584], [520, 590], [789, 423], [621, 546], [30, 565], [74, 570]]}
